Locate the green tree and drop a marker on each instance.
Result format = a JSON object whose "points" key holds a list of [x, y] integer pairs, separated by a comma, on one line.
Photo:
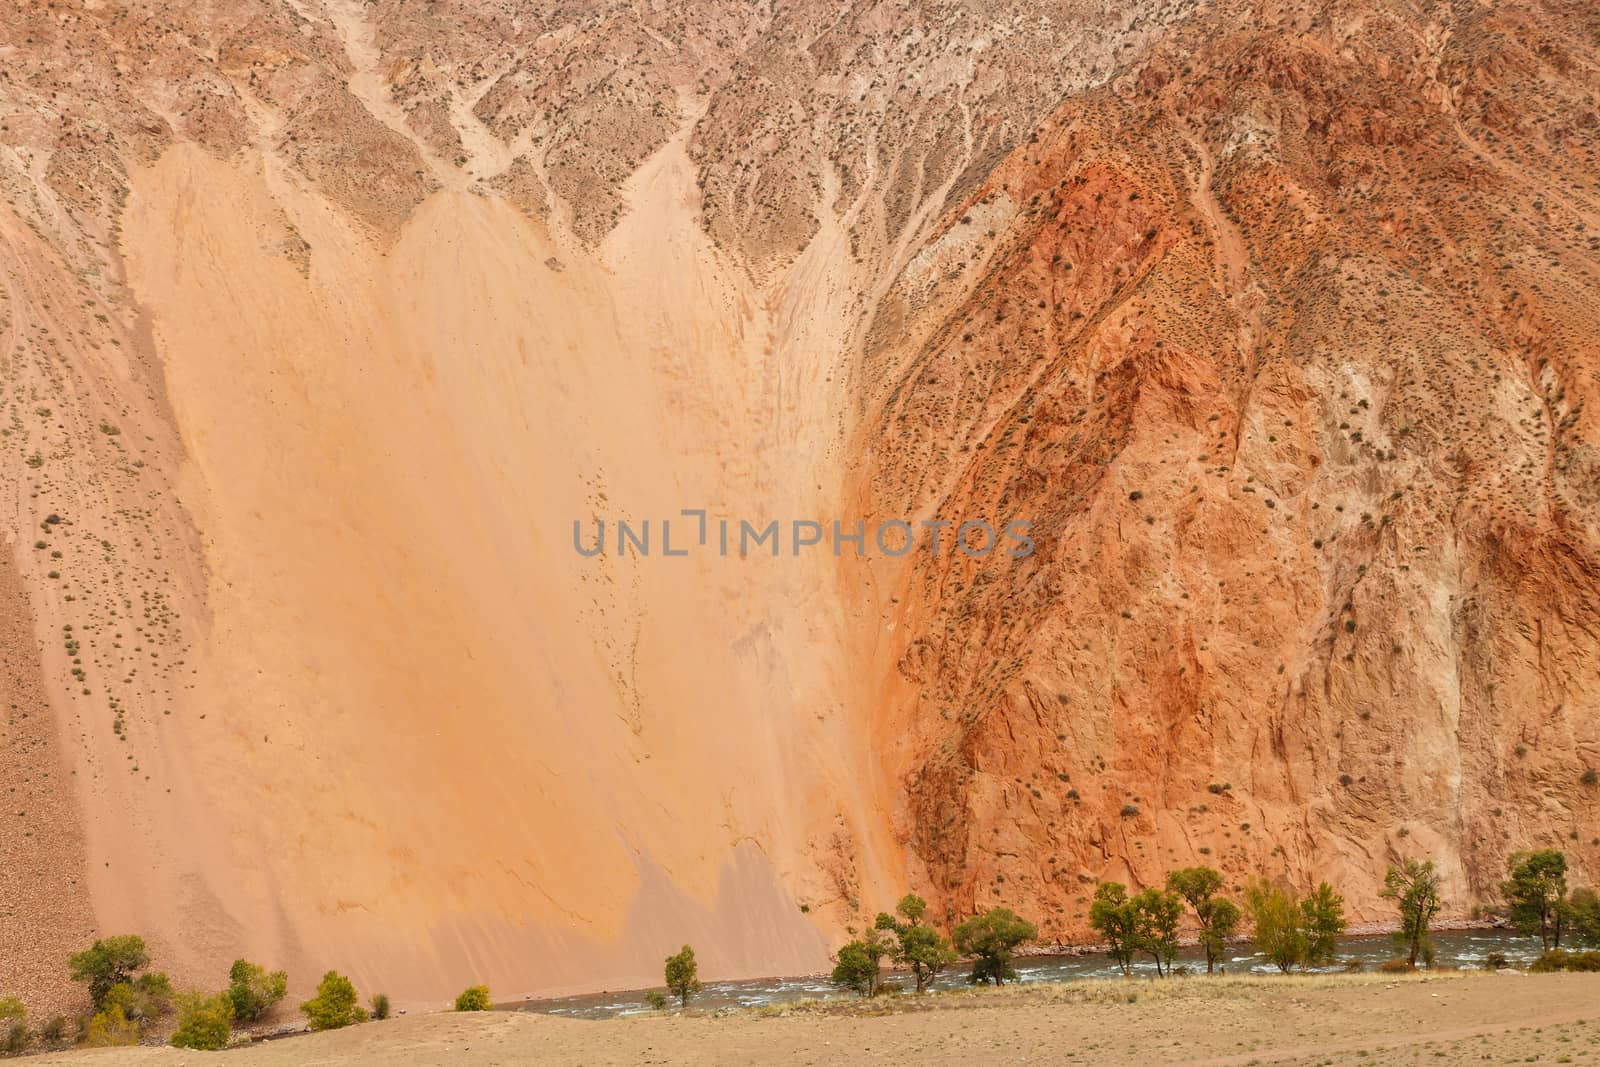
{"points": [[991, 939], [683, 975], [1113, 916], [335, 1005], [1323, 912], [1583, 917], [655, 1000], [204, 1022], [253, 990], [911, 908], [1219, 922], [475, 998], [926, 951], [1536, 893], [921, 948], [1156, 913], [380, 1006], [108, 962], [1414, 887], [1217, 916], [856, 967], [1279, 924]]}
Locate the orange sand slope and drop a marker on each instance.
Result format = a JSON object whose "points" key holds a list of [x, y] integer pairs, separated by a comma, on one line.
{"points": [[427, 713]]}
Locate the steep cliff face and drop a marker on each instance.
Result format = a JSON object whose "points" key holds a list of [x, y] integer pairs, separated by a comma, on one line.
{"points": [[1283, 341], [323, 321]]}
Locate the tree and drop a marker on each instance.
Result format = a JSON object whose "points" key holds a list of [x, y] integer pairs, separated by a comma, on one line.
{"points": [[926, 951], [1219, 920], [655, 1000], [683, 975], [1414, 887], [911, 908], [1279, 924], [1536, 893], [204, 1022], [921, 948], [1218, 917], [108, 962], [475, 998], [1156, 914], [865, 961], [1112, 916], [335, 1005], [1323, 912], [380, 1006], [1583, 917], [856, 968], [253, 990], [990, 939]]}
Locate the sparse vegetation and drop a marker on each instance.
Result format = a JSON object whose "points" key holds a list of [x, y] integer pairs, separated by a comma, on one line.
{"points": [[110, 1029], [253, 990], [683, 975], [475, 998], [54, 1031], [14, 1024], [1559, 959], [122, 1002], [335, 1004], [108, 963], [204, 1022]]}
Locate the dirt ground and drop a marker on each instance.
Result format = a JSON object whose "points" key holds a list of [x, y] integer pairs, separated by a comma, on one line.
{"points": [[1496, 1018]]}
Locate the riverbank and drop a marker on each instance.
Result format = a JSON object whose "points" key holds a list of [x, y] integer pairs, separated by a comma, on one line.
{"points": [[1353, 930], [1463, 947], [1294, 1021]]}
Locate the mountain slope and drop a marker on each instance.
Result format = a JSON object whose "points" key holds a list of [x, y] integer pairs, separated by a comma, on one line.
{"points": [[326, 321], [1285, 347]]}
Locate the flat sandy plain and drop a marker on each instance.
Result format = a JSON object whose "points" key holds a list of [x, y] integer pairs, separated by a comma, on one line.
{"points": [[1368, 1019]]}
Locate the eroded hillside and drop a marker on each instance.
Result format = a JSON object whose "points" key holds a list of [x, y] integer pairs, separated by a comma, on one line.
{"points": [[1285, 340], [324, 320]]}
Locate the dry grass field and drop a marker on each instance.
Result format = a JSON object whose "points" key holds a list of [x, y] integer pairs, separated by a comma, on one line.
{"points": [[1304, 1020]]}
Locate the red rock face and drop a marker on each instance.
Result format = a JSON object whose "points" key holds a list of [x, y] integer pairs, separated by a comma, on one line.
{"points": [[1284, 347]]}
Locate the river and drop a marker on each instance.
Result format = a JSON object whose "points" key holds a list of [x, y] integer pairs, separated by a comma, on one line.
{"points": [[1455, 948]]}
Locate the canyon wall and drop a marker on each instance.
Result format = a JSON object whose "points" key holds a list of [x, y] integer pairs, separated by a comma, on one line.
{"points": [[325, 321]]}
